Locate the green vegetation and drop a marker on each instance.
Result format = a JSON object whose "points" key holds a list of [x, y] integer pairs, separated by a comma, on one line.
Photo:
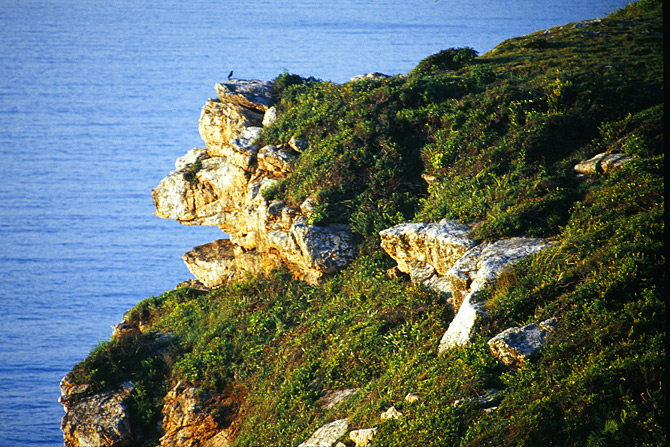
{"points": [[190, 170], [499, 134]]}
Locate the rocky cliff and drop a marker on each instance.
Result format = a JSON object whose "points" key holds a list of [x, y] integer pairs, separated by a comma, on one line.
{"points": [[222, 185], [496, 275]]}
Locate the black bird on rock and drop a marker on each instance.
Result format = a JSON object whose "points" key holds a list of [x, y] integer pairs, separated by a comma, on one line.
{"points": [[230, 75]]}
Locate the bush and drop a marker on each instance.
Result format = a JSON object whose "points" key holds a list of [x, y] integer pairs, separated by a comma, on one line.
{"points": [[449, 59]]}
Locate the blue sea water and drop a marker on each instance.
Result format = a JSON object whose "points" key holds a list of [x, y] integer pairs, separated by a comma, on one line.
{"points": [[97, 100]]}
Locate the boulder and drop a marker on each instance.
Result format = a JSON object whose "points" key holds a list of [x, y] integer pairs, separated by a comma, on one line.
{"points": [[221, 261], [412, 398], [374, 75], [218, 185], [102, 419], [602, 162], [253, 93], [516, 345], [476, 269], [482, 264], [363, 437], [325, 250], [328, 434], [298, 145], [460, 329]]}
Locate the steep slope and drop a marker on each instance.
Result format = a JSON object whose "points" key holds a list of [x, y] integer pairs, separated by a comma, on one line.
{"points": [[555, 138]]}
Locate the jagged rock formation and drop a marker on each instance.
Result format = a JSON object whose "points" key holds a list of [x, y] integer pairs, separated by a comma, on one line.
{"points": [[222, 185], [101, 420], [426, 251], [185, 424], [443, 257], [477, 268]]}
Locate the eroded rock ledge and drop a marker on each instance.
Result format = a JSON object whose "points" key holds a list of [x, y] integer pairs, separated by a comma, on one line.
{"points": [[443, 257], [221, 185]]}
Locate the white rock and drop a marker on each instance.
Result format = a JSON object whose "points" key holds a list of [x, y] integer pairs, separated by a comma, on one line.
{"points": [[391, 413], [363, 437], [251, 93], [270, 116], [325, 249], [226, 192], [482, 264], [328, 434], [460, 329], [298, 145], [412, 398], [426, 251], [373, 75], [308, 206], [476, 269]]}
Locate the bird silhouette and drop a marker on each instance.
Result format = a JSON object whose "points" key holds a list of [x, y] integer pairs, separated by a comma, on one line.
{"points": [[230, 75]]}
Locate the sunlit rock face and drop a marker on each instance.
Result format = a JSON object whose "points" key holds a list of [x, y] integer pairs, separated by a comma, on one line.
{"points": [[328, 434], [426, 251], [102, 419], [221, 185], [476, 269], [187, 423]]}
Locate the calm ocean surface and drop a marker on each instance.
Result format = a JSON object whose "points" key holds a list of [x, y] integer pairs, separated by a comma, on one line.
{"points": [[97, 100]]}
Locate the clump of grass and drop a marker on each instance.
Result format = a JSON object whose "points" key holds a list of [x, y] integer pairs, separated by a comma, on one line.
{"points": [[190, 172]]}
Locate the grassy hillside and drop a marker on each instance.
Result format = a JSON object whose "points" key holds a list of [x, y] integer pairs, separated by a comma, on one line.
{"points": [[495, 138]]}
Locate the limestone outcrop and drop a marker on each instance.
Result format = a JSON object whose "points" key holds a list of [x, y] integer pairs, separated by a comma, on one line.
{"points": [[443, 257], [426, 251], [102, 419], [186, 424], [221, 185], [477, 268]]}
